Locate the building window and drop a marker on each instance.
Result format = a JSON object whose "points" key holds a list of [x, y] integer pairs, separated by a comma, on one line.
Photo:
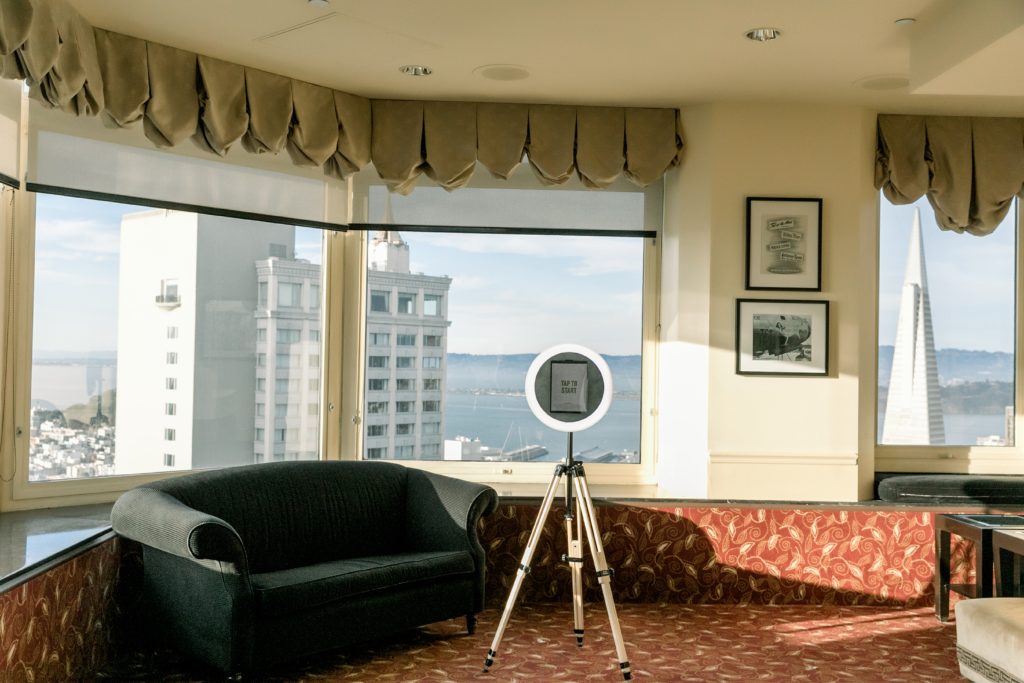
{"points": [[259, 434], [431, 406], [946, 333], [168, 459], [170, 409], [313, 384], [280, 409], [289, 294], [169, 291], [378, 361], [314, 335], [405, 362], [169, 434], [432, 304], [376, 384], [261, 384], [431, 385], [261, 360], [172, 358], [406, 340], [288, 336], [380, 339], [261, 297], [278, 251], [314, 361], [261, 409], [404, 384], [376, 453], [379, 301], [314, 297], [404, 406], [431, 340], [407, 303], [172, 332], [431, 363], [403, 451], [377, 407], [280, 435], [430, 450], [376, 430], [261, 334], [312, 409], [171, 383], [431, 428], [283, 360], [404, 428]]}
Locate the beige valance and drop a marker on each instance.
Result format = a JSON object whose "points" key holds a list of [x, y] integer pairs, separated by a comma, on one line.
{"points": [[178, 95], [970, 167]]}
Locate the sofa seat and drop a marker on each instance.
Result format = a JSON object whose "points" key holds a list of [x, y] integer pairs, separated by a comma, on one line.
{"points": [[990, 639], [301, 588]]}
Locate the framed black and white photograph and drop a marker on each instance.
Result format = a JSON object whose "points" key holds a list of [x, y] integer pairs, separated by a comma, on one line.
{"points": [[776, 337], [784, 243]]}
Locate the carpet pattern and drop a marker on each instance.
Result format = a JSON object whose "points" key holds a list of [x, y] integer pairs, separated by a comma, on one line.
{"points": [[665, 643]]}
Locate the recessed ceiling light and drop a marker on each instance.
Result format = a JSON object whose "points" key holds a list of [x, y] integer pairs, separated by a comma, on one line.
{"points": [[905, 21], [763, 34], [502, 72], [416, 70]]}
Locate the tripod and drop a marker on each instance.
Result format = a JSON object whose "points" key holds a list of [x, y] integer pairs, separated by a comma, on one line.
{"points": [[575, 483]]}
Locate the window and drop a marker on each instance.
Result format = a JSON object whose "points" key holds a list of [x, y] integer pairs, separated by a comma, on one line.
{"points": [[259, 434], [261, 409], [378, 361], [404, 406], [432, 304], [281, 386], [280, 409], [278, 251], [431, 363], [314, 297], [376, 453], [379, 301], [430, 450], [313, 384], [946, 317], [431, 428], [261, 298], [404, 428], [314, 335], [289, 294], [405, 362], [406, 303], [107, 327], [283, 360], [406, 340], [403, 451], [312, 409], [431, 385], [314, 361], [376, 430], [431, 406], [380, 339], [431, 340], [405, 385], [168, 459], [377, 407], [374, 384], [288, 336], [280, 435]]}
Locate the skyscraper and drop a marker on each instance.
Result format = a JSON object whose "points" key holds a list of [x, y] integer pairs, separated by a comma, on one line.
{"points": [[913, 410]]}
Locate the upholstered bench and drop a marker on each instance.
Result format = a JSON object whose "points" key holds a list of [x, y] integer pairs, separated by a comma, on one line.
{"points": [[990, 639]]}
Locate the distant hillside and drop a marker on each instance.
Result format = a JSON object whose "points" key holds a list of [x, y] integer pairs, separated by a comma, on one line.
{"points": [[507, 372], [958, 365]]}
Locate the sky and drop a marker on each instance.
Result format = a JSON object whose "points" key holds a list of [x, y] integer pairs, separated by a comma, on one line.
{"points": [[521, 294]]}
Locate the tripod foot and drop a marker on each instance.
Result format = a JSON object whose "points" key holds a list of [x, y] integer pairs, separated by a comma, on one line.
{"points": [[491, 654], [579, 637], [627, 675]]}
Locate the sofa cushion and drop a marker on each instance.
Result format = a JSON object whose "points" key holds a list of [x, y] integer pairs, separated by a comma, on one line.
{"points": [[290, 590], [990, 639]]}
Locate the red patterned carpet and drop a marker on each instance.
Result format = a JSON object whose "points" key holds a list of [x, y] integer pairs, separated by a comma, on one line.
{"points": [[665, 642]]}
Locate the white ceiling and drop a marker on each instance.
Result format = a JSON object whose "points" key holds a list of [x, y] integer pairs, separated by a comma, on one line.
{"points": [[959, 57]]}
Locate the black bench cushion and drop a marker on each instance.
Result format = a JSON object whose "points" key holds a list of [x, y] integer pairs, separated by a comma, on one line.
{"points": [[952, 488], [301, 588]]}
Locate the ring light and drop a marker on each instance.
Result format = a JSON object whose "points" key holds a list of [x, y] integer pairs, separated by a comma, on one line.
{"points": [[554, 368]]}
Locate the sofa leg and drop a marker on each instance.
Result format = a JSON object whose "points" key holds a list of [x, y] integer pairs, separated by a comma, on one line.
{"points": [[471, 623]]}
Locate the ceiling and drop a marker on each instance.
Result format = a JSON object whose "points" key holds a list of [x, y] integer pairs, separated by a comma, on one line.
{"points": [[958, 57]]}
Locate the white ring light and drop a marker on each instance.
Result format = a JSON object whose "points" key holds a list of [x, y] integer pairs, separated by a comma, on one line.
{"points": [[531, 388]]}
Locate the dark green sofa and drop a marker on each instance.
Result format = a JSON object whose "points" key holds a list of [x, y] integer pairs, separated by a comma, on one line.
{"points": [[248, 566]]}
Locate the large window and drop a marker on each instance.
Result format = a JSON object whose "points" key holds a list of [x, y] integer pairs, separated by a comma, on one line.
{"points": [[490, 304], [946, 332], [146, 331]]}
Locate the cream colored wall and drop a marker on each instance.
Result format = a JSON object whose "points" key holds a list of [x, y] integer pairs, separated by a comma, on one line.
{"points": [[786, 438]]}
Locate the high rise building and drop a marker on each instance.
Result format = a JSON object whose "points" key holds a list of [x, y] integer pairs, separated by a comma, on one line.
{"points": [[187, 336], [913, 409], [407, 337]]}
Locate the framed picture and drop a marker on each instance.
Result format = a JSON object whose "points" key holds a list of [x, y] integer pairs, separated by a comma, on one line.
{"points": [[784, 243], [775, 337]]}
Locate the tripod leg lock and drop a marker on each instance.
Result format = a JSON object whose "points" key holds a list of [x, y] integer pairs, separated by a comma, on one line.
{"points": [[572, 560], [605, 572], [525, 569]]}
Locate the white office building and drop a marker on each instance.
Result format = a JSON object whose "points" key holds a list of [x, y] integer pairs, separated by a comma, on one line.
{"points": [[407, 338]]}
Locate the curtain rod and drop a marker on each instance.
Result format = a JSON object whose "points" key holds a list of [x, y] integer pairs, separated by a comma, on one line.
{"points": [[493, 230]]}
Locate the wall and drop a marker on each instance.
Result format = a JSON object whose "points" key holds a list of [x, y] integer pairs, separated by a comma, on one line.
{"points": [[767, 438]]}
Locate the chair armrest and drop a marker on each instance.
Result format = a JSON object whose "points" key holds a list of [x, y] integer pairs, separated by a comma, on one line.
{"points": [[161, 521], [442, 512]]}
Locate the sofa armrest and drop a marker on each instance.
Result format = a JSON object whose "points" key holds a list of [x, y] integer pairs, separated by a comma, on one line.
{"points": [[443, 512], [161, 521]]}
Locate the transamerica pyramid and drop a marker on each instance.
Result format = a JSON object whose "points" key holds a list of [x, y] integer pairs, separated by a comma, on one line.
{"points": [[913, 410]]}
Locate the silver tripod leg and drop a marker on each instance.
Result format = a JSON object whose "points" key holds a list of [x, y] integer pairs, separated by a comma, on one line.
{"points": [[601, 565], [574, 536], [524, 566]]}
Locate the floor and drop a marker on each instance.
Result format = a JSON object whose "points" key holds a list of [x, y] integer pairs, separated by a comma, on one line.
{"points": [[667, 642]]}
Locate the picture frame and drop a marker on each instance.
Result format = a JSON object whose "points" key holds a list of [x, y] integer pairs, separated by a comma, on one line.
{"points": [[784, 243], [781, 337]]}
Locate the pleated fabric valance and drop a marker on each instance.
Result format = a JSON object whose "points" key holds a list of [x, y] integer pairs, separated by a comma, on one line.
{"points": [[970, 167], [179, 96]]}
